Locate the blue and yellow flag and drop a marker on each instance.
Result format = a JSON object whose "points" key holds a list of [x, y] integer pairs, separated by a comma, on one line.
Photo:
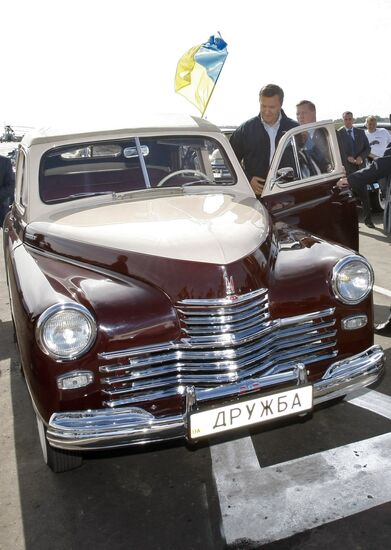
{"points": [[198, 70]]}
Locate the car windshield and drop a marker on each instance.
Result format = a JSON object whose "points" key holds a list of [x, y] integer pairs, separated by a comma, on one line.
{"points": [[134, 164]]}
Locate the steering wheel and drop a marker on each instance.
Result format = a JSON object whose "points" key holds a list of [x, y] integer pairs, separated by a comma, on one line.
{"points": [[196, 173]]}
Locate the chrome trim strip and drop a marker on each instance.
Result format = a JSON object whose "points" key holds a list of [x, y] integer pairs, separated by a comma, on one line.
{"points": [[307, 316], [227, 301], [224, 319], [153, 396], [103, 428], [234, 308]]}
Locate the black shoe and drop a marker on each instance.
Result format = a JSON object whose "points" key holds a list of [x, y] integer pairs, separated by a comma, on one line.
{"points": [[369, 223], [383, 329]]}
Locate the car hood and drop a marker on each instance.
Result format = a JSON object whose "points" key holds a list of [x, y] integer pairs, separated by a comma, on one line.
{"points": [[213, 228]]}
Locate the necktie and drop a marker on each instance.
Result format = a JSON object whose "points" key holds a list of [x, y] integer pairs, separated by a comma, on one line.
{"points": [[353, 149]]}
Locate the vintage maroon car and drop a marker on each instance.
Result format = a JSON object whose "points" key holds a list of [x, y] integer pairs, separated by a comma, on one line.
{"points": [[154, 297]]}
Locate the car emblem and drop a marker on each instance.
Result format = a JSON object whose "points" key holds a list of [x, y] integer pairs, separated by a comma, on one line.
{"points": [[229, 285]]}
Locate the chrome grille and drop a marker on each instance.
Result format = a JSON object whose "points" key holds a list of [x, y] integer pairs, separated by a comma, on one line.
{"points": [[225, 341]]}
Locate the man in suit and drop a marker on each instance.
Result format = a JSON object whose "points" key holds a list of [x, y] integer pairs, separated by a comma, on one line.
{"points": [[255, 141], [316, 142], [356, 147], [379, 168], [7, 187]]}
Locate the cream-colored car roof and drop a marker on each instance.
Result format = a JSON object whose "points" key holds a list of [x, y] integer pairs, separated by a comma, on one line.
{"points": [[146, 124]]}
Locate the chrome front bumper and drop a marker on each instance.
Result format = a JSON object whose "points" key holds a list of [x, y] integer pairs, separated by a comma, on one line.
{"points": [[105, 428]]}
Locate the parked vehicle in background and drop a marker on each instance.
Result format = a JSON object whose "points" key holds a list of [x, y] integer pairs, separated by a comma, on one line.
{"points": [[155, 298], [376, 197]]}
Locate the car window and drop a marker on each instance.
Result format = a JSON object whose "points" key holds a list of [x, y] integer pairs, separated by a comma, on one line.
{"points": [[306, 155], [138, 163]]}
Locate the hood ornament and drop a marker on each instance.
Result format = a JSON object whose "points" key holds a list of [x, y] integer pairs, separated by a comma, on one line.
{"points": [[229, 285]]}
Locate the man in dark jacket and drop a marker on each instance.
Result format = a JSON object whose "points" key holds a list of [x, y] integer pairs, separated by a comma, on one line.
{"points": [[356, 148], [380, 168], [255, 141], [7, 187]]}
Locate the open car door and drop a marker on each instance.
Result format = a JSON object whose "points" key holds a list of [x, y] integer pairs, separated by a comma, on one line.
{"points": [[301, 190]]}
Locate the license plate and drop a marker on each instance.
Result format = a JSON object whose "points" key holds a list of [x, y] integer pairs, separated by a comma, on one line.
{"points": [[253, 411]]}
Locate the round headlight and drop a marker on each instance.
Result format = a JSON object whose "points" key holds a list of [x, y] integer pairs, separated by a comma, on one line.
{"points": [[66, 331], [352, 279]]}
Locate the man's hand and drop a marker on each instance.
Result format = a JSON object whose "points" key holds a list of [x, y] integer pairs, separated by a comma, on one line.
{"points": [[257, 185], [342, 183], [357, 161]]}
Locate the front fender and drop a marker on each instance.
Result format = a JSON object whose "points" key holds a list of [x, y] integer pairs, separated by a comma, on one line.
{"points": [[128, 313]]}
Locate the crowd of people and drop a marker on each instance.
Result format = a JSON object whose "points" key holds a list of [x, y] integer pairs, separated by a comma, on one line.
{"points": [[365, 154]]}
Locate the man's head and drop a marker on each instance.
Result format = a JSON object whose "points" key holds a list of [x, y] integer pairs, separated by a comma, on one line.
{"points": [[348, 119], [305, 112], [371, 123], [271, 98]]}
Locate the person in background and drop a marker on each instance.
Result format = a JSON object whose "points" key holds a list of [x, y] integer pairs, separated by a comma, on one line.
{"points": [[378, 138], [7, 187], [255, 141], [305, 114], [316, 143], [379, 168], [355, 145]]}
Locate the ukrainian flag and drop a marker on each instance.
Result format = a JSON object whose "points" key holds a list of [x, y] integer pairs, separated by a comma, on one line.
{"points": [[198, 70]]}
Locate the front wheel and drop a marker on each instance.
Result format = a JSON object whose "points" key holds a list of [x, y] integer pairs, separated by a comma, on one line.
{"points": [[58, 460]]}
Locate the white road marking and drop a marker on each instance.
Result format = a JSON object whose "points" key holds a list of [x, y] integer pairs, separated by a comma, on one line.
{"points": [[268, 504], [235, 456], [381, 290], [372, 400]]}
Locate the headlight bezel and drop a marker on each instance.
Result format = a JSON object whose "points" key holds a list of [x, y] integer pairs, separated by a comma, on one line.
{"points": [[54, 310], [338, 269]]}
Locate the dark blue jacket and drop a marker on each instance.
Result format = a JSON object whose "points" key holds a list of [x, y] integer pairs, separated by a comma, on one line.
{"points": [[251, 144]]}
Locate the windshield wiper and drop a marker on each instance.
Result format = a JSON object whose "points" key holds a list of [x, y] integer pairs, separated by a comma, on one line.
{"points": [[147, 192], [79, 196], [89, 194], [196, 182]]}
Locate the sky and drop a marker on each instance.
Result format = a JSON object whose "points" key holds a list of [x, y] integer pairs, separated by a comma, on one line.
{"points": [[96, 62]]}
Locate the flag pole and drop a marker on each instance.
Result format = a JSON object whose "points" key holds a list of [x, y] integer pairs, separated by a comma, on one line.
{"points": [[218, 76], [211, 93]]}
